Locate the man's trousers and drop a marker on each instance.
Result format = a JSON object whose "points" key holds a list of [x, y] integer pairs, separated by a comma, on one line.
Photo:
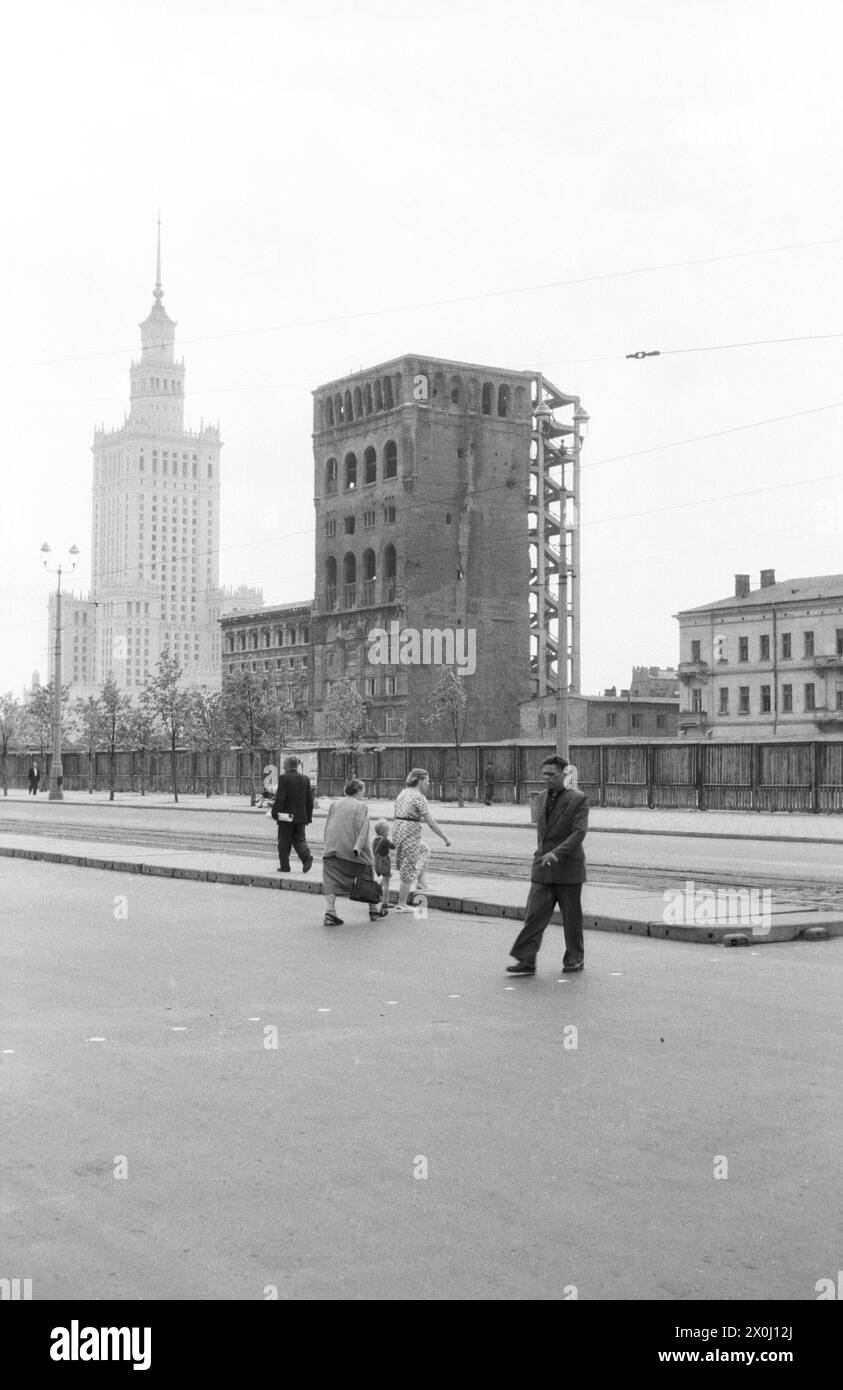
{"points": [[292, 836], [544, 897]]}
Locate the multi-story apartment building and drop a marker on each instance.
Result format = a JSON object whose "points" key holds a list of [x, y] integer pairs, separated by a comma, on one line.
{"points": [[276, 645], [155, 534], [766, 662], [421, 495]]}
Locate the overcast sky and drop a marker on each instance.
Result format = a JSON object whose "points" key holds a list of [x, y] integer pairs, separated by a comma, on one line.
{"points": [[547, 185]]}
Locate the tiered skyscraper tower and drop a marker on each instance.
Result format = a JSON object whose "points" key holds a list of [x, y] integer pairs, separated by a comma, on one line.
{"points": [[155, 533]]}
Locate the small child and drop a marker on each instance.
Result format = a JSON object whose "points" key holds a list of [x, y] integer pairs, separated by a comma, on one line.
{"points": [[381, 846]]}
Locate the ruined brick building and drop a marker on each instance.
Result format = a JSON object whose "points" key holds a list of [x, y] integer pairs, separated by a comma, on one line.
{"points": [[422, 477]]}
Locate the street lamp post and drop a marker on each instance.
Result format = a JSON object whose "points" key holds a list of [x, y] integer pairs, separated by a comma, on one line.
{"points": [[56, 774]]}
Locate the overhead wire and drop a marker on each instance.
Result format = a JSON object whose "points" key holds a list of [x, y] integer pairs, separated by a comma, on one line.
{"points": [[444, 303]]}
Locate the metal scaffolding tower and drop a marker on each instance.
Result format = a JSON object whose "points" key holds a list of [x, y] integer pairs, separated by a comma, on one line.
{"points": [[559, 427]]}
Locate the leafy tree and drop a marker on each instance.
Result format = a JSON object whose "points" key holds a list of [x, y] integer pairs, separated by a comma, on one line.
{"points": [[348, 716], [116, 709], [11, 726], [87, 718], [208, 727], [38, 719], [140, 733], [252, 716], [448, 702], [168, 703]]}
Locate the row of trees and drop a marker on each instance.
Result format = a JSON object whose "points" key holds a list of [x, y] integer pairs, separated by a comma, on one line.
{"points": [[164, 714], [167, 714], [349, 718]]}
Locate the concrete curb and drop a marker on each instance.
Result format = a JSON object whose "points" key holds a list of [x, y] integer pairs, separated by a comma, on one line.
{"points": [[789, 926]]}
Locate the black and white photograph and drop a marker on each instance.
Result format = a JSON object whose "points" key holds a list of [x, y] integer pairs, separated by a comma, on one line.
{"points": [[421, 675]]}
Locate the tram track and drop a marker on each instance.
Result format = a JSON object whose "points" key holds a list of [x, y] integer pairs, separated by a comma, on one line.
{"points": [[818, 893]]}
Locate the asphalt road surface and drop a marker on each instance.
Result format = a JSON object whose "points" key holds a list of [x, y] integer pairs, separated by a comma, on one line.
{"points": [[418, 1126]]}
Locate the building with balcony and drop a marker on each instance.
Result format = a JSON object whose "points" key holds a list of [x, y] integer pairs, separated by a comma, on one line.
{"points": [[765, 662]]}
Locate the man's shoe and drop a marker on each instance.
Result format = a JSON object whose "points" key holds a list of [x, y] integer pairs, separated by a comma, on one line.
{"points": [[282, 869], [307, 865], [523, 967], [331, 920], [569, 969]]}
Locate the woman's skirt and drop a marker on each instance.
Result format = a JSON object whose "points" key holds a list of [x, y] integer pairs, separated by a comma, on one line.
{"points": [[411, 852], [339, 874]]}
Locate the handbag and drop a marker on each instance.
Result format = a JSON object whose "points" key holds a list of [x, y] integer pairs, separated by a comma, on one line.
{"points": [[364, 890]]}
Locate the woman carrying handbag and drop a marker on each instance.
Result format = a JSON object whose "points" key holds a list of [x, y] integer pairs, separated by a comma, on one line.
{"points": [[347, 859]]}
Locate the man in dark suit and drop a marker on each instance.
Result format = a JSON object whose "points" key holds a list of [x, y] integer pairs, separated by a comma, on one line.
{"points": [[292, 809], [558, 872]]}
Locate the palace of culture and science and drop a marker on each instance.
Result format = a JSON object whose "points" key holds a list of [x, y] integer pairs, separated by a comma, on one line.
{"points": [[154, 536]]}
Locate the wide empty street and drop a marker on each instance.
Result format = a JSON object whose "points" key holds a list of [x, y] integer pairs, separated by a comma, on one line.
{"points": [[207, 1094]]}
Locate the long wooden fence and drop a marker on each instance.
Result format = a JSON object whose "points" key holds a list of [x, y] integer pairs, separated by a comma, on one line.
{"points": [[717, 777], [695, 776]]}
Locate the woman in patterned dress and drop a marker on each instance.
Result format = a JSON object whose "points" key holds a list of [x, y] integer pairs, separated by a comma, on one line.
{"points": [[411, 852]]}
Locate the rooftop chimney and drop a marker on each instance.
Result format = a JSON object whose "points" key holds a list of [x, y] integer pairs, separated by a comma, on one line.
{"points": [[768, 577], [742, 585]]}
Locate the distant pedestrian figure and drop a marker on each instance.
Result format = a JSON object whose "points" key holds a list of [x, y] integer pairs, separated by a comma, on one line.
{"points": [[411, 852], [347, 856], [381, 846], [34, 777], [558, 872], [292, 809], [489, 783]]}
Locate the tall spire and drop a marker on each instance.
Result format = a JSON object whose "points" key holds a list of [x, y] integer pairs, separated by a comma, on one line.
{"points": [[158, 292]]}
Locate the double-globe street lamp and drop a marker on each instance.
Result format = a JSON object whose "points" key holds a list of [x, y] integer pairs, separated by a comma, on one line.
{"points": [[56, 775]]}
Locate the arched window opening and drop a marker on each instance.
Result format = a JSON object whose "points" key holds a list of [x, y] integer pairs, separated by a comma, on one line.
{"points": [[338, 415], [389, 573], [388, 398], [330, 583], [369, 575], [519, 401], [370, 466], [390, 459], [331, 475], [350, 472], [486, 398], [350, 580], [347, 412], [503, 400], [455, 394], [378, 396], [369, 403], [329, 412], [358, 403]]}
